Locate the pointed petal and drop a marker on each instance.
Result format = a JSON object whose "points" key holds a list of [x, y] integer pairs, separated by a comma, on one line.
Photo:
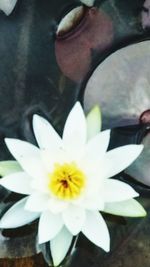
{"points": [[46, 136], [37, 202], [128, 208], [8, 167], [74, 218], [17, 216], [49, 226], [18, 182], [60, 245], [115, 191], [95, 229], [94, 122], [97, 146], [7, 6], [75, 130], [28, 155], [120, 158]]}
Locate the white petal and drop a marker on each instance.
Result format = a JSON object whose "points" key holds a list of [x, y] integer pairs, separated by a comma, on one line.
{"points": [[17, 216], [120, 158], [46, 136], [50, 159], [97, 146], [60, 245], [95, 229], [28, 155], [37, 202], [94, 122], [18, 182], [88, 2], [56, 205], [74, 218], [115, 191], [49, 226], [95, 203], [8, 167], [75, 129], [129, 208], [7, 6]]}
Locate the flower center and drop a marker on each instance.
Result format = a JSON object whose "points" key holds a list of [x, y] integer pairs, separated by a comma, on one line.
{"points": [[66, 181]]}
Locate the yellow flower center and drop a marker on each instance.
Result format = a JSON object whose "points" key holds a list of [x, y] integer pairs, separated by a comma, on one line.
{"points": [[66, 181]]}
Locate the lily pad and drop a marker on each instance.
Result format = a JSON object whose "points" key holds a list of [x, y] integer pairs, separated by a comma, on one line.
{"points": [[121, 86], [140, 169]]}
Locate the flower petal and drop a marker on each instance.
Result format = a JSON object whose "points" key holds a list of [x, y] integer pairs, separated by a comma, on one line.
{"points": [[74, 218], [75, 129], [60, 245], [37, 202], [114, 191], [129, 208], [46, 136], [56, 205], [94, 122], [120, 158], [95, 229], [7, 6], [49, 226], [88, 2], [28, 155], [93, 203], [17, 216], [97, 146], [18, 182], [8, 167]]}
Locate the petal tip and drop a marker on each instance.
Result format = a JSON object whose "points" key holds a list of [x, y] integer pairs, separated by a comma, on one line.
{"points": [[7, 140], [144, 214], [107, 249], [4, 225], [36, 117], [78, 106], [10, 141], [106, 246], [139, 149]]}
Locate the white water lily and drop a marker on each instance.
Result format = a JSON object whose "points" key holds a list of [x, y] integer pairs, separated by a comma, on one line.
{"points": [[68, 181], [7, 6]]}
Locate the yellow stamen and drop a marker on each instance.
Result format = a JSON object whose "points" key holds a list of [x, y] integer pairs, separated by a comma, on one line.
{"points": [[66, 181]]}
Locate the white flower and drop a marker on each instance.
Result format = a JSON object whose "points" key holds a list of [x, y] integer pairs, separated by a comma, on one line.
{"points": [[68, 181], [7, 6]]}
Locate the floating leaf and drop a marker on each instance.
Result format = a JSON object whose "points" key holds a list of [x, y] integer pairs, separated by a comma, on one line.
{"points": [[121, 86], [140, 169]]}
